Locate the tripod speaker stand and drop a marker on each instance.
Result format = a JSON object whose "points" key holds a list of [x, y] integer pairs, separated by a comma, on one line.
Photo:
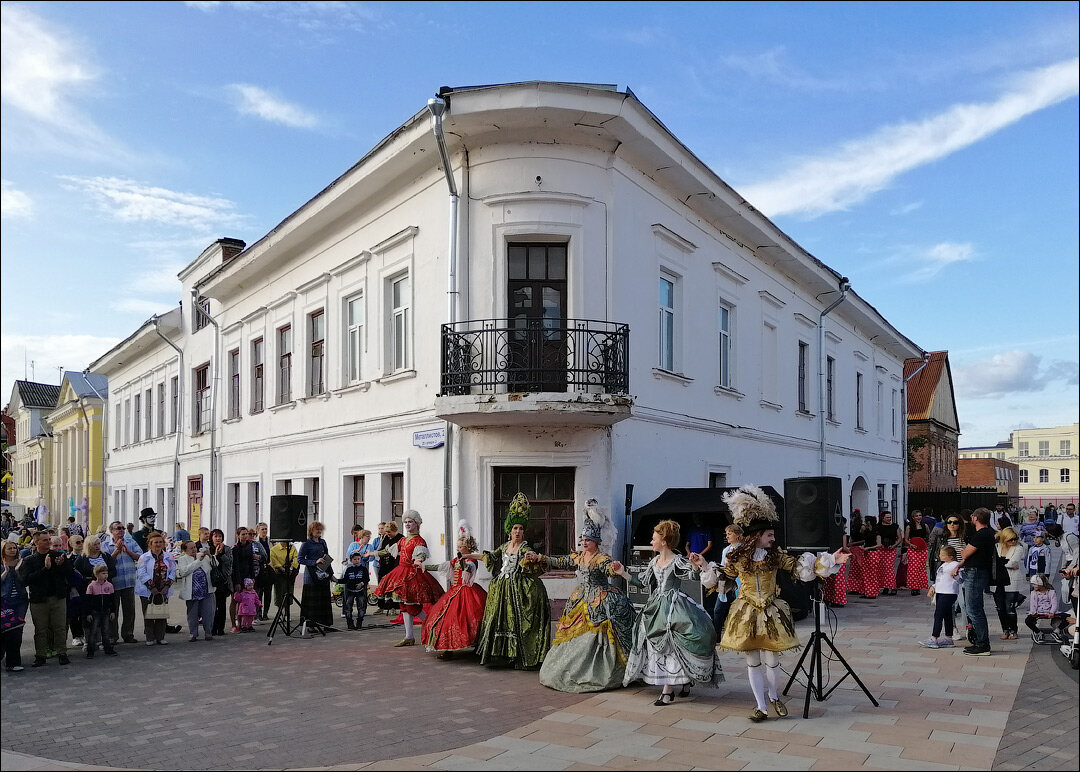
{"points": [[283, 617], [813, 673]]}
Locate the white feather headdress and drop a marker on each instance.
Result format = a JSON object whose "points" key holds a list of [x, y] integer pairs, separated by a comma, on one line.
{"points": [[751, 507]]}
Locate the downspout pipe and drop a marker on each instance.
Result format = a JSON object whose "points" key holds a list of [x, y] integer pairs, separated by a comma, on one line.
{"points": [[179, 412], [437, 107], [845, 285], [104, 428], [198, 309], [904, 452]]}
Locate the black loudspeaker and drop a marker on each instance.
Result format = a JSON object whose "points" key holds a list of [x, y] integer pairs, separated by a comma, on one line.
{"points": [[288, 518], [813, 514]]}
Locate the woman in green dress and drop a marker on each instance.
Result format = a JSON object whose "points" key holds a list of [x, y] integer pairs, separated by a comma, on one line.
{"points": [[516, 630], [674, 638], [595, 631]]}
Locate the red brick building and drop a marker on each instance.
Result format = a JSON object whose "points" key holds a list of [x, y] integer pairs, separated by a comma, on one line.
{"points": [[1002, 476], [933, 428]]}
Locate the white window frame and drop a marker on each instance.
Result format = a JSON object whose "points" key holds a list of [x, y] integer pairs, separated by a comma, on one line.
{"points": [[284, 364], [399, 323], [667, 330], [1065, 448], [860, 401], [803, 378], [355, 316], [136, 418], [1065, 474], [830, 388], [1044, 448], [258, 375], [161, 409], [174, 400], [1022, 449], [724, 313], [1044, 476]]}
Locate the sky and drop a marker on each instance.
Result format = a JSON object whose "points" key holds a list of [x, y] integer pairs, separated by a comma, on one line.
{"points": [[928, 151]]}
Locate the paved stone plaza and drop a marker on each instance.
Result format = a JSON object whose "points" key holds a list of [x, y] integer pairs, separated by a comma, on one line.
{"points": [[352, 701]]}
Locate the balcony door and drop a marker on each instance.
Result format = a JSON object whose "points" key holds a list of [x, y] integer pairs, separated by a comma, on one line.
{"points": [[536, 304]]}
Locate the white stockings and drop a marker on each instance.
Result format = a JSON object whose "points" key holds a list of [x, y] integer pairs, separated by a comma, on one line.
{"points": [[408, 624], [769, 662]]}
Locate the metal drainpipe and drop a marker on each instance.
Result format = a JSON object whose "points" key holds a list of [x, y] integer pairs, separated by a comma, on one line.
{"points": [[213, 403], [844, 286], [904, 445], [179, 412], [104, 426], [437, 107]]}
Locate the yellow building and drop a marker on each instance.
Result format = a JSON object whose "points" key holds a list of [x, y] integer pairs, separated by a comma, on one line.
{"points": [[31, 451], [1048, 461], [77, 425]]}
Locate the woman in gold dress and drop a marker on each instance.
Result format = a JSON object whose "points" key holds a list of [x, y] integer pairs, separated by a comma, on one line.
{"points": [[759, 623]]}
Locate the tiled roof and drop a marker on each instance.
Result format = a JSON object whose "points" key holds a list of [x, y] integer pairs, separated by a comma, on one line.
{"points": [[38, 394], [921, 388]]}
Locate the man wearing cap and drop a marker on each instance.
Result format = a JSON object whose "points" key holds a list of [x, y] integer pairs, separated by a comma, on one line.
{"points": [[147, 517]]}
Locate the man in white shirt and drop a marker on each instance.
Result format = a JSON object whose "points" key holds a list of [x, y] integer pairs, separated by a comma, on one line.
{"points": [[1070, 521]]}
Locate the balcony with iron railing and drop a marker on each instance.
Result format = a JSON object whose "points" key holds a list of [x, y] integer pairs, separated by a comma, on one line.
{"points": [[500, 371]]}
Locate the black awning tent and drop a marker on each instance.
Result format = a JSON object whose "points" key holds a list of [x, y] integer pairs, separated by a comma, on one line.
{"points": [[682, 504]]}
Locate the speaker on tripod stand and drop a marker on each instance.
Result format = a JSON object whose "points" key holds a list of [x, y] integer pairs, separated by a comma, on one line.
{"points": [[814, 522]]}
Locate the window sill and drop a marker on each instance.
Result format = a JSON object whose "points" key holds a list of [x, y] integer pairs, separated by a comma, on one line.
{"points": [[283, 406], [321, 397], [361, 386], [661, 375], [804, 414], [771, 405], [235, 420], [727, 391], [257, 412], [860, 430], [401, 375], [832, 422]]}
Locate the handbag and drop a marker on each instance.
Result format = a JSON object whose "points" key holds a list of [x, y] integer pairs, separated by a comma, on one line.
{"points": [[157, 608]]}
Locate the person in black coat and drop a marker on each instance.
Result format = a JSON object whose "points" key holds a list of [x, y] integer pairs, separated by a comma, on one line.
{"points": [[48, 574], [388, 564]]}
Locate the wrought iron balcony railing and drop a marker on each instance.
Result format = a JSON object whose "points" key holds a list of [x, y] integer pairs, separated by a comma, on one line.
{"points": [[490, 356]]}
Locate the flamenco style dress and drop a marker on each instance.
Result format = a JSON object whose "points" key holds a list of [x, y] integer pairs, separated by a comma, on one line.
{"points": [[674, 639], [453, 623], [595, 631], [408, 585], [516, 630]]}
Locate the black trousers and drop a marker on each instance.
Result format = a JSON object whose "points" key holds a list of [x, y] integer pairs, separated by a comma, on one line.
{"points": [[221, 610], [943, 614]]}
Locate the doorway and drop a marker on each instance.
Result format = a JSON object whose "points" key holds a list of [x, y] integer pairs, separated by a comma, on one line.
{"points": [[536, 307]]}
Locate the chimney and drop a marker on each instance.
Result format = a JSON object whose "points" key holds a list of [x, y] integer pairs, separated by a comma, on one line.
{"points": [[230, 248]]}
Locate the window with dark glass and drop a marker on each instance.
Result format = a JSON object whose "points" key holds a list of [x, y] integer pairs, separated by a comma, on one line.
{"points": [[551, 498], [234, 383], [258, 384], [201, 402], [317, 360], [284, 392]]}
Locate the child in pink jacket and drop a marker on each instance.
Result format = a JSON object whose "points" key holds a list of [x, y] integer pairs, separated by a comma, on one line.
{"points": [[247, 605], [1043, 604]]}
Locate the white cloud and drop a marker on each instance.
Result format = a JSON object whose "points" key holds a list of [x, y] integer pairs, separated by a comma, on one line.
{"points": [[130, 201], [252, 100], [906, 209], [928, 264], [860, 168], [42, 74], [321, 17], [772, 66], [1013, 372], [143, 308], [48, 353], [160, 280], [14, 204]]}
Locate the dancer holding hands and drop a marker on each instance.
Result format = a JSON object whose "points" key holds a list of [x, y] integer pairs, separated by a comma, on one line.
{"points": [[759, 623], [453, 623], [409, 585], [595, 632], [674, 640]]}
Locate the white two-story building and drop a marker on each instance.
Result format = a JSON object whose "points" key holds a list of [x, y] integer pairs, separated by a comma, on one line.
{"points": [[530, 287]]}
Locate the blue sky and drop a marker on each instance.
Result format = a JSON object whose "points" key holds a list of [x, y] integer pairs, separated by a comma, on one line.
{"points": [[929, 151]]}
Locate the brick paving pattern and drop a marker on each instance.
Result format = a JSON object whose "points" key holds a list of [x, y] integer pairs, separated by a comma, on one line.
{"points": [[351, 701]]}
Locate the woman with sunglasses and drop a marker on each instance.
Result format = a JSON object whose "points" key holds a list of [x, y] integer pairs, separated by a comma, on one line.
{"points": [[1010, 582], [948, 534]]}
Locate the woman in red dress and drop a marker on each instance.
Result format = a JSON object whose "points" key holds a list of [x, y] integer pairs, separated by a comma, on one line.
{"points": [[409, 585], [888, 540], [453, 622], [916, 536]]}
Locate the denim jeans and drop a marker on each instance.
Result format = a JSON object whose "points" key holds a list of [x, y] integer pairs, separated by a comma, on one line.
{"points": [[357, 600], [976, 580]]}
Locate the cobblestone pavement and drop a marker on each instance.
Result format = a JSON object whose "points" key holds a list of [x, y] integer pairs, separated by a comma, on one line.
{"points": [[352, 701]]}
